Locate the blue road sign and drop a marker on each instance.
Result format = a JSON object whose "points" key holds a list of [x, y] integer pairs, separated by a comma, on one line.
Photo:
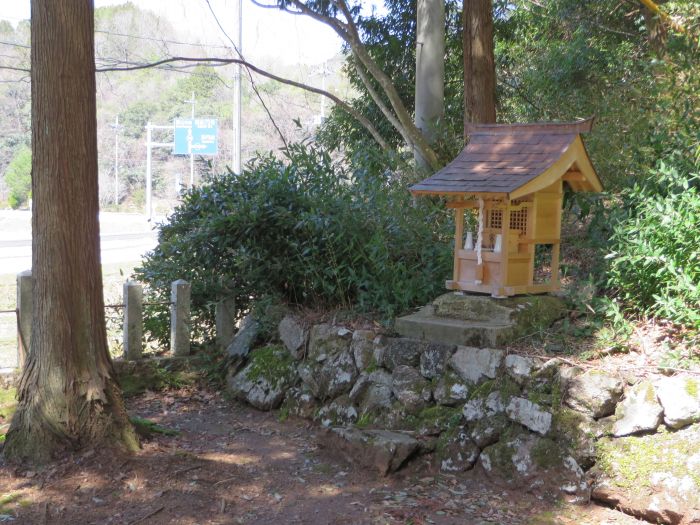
{"points": [[198, 136]]}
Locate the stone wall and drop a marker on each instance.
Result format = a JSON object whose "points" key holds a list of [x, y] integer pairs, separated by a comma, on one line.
{"points": [[524, 421]]}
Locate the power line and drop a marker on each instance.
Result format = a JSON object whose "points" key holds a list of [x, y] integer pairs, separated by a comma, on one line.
{"points": [[14, 44], [159, 39]]}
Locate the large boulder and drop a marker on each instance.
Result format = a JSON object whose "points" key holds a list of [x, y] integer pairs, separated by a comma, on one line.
{"points": [[265, 379], [680, 398], [242, 342], [326, 340], [487, 431], [481, 407], [372, 392], [300, 402], [434, 359], [340, 411], [457, 452], [362, 348], [520, 368], [529, 414], [329, 370], [331, 377], [293, 335], [402, 351], [594, 392], [381, 450], [450, 390], [475, 364], [654, 477], [410, 388], [526, 457], [578, 433], [640, 411]]}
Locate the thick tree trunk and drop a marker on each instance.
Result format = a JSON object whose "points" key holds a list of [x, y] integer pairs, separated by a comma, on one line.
{"points": [[479, 63], [68, 397], [430, 70]]}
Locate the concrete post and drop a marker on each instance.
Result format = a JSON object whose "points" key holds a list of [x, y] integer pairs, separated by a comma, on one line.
{"points": [[133, 321], [225, 323], [180, 317], [25, 284]]}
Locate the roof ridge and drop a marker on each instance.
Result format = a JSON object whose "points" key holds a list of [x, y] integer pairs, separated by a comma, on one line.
{"points": [[575, 127]]}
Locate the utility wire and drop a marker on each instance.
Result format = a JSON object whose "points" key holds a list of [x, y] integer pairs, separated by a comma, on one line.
{"points": [[250, 76], [177, 42]]}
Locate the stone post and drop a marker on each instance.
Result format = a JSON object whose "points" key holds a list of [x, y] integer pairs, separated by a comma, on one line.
{"points": [[133, 321], [25, 284], [225, 323], [180, 318]]}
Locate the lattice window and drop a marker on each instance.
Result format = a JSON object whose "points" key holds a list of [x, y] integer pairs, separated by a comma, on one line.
{"points": [[494, 219], [518, 220]]}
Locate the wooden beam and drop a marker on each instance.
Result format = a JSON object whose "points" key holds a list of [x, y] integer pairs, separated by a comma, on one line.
{"points": [[574, 176]]}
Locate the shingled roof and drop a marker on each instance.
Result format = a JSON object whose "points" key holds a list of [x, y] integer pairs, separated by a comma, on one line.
{"points": [[516, 159]]}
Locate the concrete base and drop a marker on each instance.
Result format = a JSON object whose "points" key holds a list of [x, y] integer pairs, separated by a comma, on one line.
{"points": [[480, 321]]}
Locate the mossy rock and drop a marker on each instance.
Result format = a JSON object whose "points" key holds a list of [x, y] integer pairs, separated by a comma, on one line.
{"points": [[271, 363], [136, 377], [264, 381], [433, 420], [502, 384], [655, 476], [630, 462]]}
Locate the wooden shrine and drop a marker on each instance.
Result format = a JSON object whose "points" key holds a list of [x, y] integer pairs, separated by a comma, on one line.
{"points": [[506, 187]]}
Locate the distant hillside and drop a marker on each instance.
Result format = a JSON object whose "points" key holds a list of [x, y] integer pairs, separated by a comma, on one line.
{"points": [[127, 35]]}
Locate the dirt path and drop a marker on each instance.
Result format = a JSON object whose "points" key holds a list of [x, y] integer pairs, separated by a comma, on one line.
{"points": [[231, 464]]}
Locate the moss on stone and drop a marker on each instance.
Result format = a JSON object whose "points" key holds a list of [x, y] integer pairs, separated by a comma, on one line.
{"points": [[691, 387], [483, 390], [365, 420], [503, 384], [445, 439], [434, 417], [630, 461], [372, 366], [508, 388], [546, 453], [154, 377], [271, 363]]}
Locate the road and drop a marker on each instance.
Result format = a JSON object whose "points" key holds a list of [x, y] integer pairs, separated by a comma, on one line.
{"points": [[125, 238]]}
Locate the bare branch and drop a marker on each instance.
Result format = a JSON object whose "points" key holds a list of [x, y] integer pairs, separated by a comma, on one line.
{"points": [[22, 69], [219, 61], [380, 103]]}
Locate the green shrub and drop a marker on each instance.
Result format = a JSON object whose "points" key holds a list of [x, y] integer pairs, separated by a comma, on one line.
{"points": [[18, 178], [655, 262], [308, 230]]}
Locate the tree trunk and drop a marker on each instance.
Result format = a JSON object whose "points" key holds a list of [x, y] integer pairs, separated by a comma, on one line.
{"points": [[479, 63], [430, 70], [68, 397]]}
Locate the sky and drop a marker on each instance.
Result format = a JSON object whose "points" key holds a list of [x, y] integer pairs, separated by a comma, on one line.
{"points": [[266, 32]]}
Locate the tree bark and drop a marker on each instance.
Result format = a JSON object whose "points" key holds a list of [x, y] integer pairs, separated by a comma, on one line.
{"points": [[479, 63], [430, 70], [68, 396]]}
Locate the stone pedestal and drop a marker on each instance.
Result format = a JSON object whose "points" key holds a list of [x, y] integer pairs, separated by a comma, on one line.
{"points": [[480, 321]]}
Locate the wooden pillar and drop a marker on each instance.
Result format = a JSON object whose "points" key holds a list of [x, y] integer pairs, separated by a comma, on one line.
{"points": [[505, 231], [459, 239], [555, 282]]}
